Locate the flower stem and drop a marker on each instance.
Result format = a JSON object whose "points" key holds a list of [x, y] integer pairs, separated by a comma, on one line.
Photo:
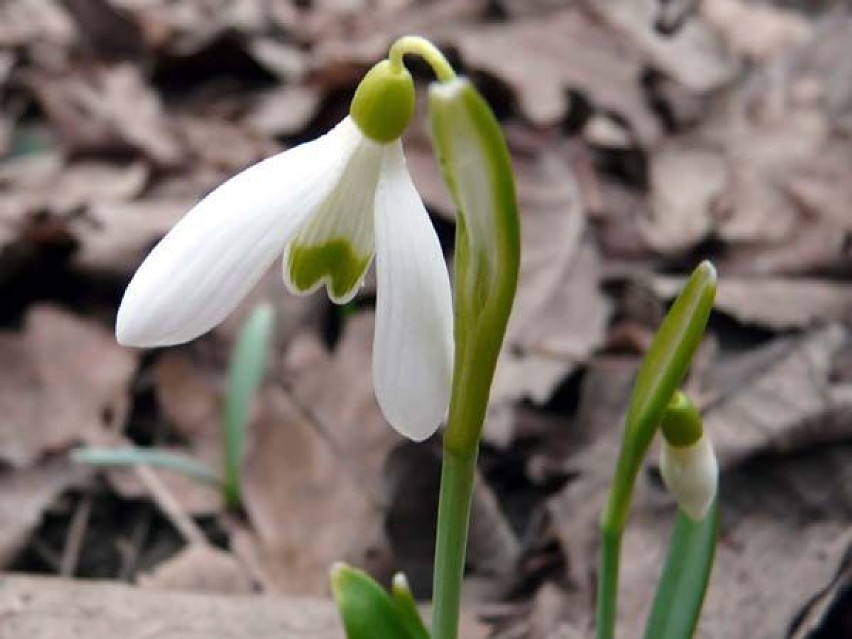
{"points": [[613, 521], [457, 477], [426, 50]]}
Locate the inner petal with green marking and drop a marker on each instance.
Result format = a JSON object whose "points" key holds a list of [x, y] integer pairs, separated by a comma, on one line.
{"points": [[334, 263], [336, 244]]}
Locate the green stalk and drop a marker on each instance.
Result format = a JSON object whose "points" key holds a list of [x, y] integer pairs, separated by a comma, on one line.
{"points": [[608, 583], [612, 525], [457, 477]]}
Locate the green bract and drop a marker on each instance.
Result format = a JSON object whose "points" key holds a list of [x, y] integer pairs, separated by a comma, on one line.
{"points": [[384, 102], [669, 356], [476, 166], [681, 423], [369, 612]]}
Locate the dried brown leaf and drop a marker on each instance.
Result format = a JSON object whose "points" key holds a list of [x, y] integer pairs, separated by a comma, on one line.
{"points": [[788, 403], [23, 23], [113, 108], [284, 111], [776, 303], [202, 569], [66, 382], [189, 396], [694, 57], [756, 32], [543, 58], [41, 608], [25, 494], [296, 492], [337, 391], [115, 236], [685, 183]]}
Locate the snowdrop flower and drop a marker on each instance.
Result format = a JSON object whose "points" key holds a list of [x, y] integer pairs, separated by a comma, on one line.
{"points": [[688, 463], [327, 206]]}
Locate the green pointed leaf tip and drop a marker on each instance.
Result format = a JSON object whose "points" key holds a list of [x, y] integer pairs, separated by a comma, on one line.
{"points": [[367, 611], [669, 357], [383, 104], [476, 166], [683, 585], [407, 607], [248, 363], [681, 423]]}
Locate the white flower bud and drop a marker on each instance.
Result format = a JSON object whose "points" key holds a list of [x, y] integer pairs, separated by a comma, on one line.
{"points": [[691, 474]]}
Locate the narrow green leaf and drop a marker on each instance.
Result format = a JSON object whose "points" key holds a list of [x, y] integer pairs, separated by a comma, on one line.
{"points": [[148, 456], [407, 607], [680, 593], [368, 612], [669, 356], [248, 362]]}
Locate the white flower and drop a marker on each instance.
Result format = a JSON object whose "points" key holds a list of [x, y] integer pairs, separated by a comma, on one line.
{"points": [[328, 206], [691, 474]]}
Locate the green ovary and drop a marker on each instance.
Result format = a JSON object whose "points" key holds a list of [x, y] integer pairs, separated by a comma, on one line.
{"points": [[335, 260]]}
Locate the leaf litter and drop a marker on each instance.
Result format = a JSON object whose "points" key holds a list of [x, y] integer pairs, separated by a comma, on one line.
{"points": [[637, 154]]}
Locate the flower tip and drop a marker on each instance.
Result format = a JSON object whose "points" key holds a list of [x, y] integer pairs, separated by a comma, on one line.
{"points": [[126, 333], [691, 474]]}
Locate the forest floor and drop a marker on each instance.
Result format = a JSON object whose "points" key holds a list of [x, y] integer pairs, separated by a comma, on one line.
{"points": [[644, 138]]}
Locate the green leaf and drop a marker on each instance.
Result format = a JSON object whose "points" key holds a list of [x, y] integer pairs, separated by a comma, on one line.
{"points": [[148, 456], [407, 608], [368, 612], [680, 593], [669, 356], [248, 362]]}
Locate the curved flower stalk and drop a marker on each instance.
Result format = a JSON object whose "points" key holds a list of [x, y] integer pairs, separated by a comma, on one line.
{"points": [[328, 207]]}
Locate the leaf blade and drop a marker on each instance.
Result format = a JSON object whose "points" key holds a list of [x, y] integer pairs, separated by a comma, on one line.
{"points": [[683, 584], [248, 362]]}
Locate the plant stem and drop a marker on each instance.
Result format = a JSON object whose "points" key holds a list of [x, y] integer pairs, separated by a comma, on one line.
{"points": [[426, 50], [608, 583], [457, 476], [613, 521]]}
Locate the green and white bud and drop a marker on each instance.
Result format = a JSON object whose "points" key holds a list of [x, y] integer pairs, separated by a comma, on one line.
{"points": [[688, 462]]}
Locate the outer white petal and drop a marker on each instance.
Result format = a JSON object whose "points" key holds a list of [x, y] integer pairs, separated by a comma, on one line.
{"points": [[691, 474], [209, 261], [413, 348]]}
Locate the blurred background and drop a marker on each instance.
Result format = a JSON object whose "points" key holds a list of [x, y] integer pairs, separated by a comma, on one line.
{"points": [[645, 136]]}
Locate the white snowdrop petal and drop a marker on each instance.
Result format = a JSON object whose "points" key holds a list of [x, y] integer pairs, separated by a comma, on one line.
{"points": [[209, 261], [691, 474], [413, 348], [336, 245]]}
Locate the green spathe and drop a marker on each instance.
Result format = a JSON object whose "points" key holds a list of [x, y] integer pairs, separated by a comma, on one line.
{"points": [[384, 102], [334, 262], [477, 168], [681, 423]]}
